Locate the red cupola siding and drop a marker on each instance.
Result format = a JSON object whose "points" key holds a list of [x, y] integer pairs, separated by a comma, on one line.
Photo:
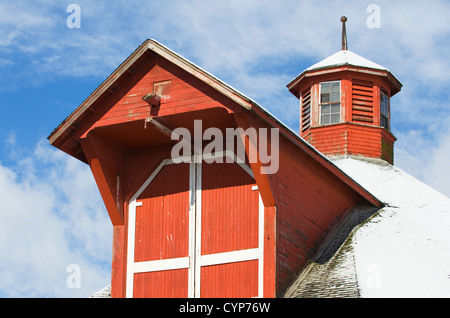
{"points": [[345, 106]]}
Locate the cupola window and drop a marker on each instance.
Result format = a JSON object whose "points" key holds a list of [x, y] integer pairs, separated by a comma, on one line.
{"points": [[330, 102], [384, 110]]}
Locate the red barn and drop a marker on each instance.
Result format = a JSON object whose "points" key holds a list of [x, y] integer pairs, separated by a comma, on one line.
{"points": [[213, 220]]}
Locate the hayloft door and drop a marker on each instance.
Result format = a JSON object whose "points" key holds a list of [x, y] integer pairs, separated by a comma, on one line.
{"points": [[196, 230]]}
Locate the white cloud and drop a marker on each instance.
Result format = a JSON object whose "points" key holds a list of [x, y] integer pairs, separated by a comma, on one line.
{"points": [[52, 216], [426, 156], [11, 138]]}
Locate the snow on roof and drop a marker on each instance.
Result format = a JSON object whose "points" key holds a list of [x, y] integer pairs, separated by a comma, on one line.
{"points": [[404, 249], [345, 57], [103, 293]]}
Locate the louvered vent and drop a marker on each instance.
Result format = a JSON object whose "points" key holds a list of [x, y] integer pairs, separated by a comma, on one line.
{"points": [[306, 111], [362, 103]]}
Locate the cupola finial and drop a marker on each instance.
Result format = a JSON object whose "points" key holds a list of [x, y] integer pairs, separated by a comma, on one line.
{"points": [[344, 33]]}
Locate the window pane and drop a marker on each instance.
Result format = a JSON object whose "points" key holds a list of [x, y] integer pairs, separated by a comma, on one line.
{"points": [[330, 92], [325, 109], [325, 98], [384, 122], [325, 88], [335, 87], [325, 119], [335, 97], [384, 104], [335, 118], [336, 108]]}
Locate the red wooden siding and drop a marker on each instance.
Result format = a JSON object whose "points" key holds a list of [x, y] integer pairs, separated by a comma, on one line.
{"points": [[162, 232], [229, 209], [238, 280], [183, 93], [353, 139], [309, 203], [161, 284], [331, 139], [161, 221]]}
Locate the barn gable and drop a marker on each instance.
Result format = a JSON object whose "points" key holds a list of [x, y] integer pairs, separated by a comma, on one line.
{"points": [[152, 68], [124, 131]]}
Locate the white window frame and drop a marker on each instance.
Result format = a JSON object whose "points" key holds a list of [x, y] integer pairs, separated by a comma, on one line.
{"points": [[320, 102]]}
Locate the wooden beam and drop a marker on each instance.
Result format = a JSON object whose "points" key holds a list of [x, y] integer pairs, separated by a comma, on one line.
{"points": [[170, 133], [105, 162], [243, 121], [152, 99]]}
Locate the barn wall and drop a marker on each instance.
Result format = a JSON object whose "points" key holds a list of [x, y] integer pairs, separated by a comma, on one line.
{"points": [[310, 201]]}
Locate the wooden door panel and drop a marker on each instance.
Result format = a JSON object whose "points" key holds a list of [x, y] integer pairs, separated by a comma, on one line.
{"points": [[161, 284], [238, 279], [162, 230], [229, 209]]}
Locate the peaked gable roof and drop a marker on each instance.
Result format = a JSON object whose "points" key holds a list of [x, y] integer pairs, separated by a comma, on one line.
{"points": [[163, 51], [64, 131]]}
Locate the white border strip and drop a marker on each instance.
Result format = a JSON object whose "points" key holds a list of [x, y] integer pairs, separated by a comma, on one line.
{"points": [[261, 249], [198, 227], [161, 265], [130, 247], [192, 239], [149, 180], [229, 257]]}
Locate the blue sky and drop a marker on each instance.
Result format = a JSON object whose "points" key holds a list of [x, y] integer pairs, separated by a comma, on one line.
{"points": [[54, 216]]}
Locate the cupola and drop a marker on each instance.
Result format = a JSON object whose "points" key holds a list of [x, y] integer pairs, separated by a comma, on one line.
{"points": [[345, 105]]}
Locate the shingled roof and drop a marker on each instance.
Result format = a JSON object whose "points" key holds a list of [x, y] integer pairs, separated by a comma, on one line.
{"points": [[402, 250]]}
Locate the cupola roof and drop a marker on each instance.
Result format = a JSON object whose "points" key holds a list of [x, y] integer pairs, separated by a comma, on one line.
{"points": [[343, 58]]}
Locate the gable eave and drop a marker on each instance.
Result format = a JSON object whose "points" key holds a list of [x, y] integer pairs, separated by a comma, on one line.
{"points": [[161, 50], [295, 83]]}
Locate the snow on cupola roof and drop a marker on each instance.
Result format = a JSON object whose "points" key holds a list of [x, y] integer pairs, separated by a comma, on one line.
{"points": [[345, 57], [344, 60]]}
